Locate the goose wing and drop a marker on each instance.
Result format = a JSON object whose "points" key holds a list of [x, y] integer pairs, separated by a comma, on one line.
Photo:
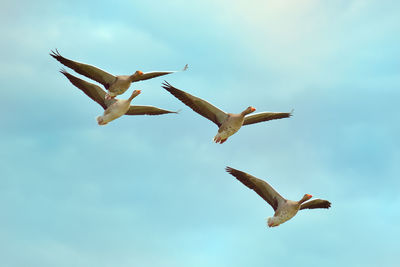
{"points": [[89, 71], [153, 74], [265, 116], [147, 110], [199, 105], [262, 188], [316, 204], [91, 90]]}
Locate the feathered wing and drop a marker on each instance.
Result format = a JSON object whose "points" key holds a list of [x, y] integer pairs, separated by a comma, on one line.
{"points": [[154, 74], [147, 110], [316, 204], [91, 90], [89, 71], [262, 188], [265, 116], [199, 105]]}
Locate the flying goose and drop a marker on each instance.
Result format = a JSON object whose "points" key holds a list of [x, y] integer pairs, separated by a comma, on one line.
{"points": [[228, 123], [113, 108], [284, 209], [115, 85]]}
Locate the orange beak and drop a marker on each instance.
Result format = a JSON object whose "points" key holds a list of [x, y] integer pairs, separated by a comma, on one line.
{"points": [[138, 91], [253, 109], [310, 196], [140, 72]]}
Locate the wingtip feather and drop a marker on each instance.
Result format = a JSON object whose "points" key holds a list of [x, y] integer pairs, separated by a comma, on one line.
{"points": [[63, 71], [165, 83], [328, 205], [167, 86], [55, 54], [229, 169]]}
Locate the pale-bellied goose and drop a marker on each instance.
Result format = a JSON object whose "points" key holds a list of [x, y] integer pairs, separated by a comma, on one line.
{"points": [[113, 108], [228, 123], [115, 85], [284, 209]]}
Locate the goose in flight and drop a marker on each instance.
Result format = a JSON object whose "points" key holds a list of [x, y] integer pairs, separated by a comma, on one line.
{"points": [[284, 209], [115, 85], [113, 108], [228, 123]]}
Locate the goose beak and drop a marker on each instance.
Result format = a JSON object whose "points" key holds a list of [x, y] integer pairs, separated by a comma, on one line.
{"points": [[252, 109], [140, 73]]}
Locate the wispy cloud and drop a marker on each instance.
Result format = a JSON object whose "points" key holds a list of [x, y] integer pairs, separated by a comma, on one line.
{"points": [[152, 190]]}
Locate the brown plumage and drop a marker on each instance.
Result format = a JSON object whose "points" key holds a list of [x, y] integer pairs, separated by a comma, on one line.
{"points": [[115, 85], [284, 209], [97, 94], [228, 123]]}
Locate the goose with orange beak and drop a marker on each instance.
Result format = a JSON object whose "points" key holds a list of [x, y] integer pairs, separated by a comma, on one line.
{"points": [[284, 209], [228, 123], [113, 108], [116, 85]]}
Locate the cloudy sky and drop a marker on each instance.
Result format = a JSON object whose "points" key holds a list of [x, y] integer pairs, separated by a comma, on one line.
{"points": [[152, 191]]}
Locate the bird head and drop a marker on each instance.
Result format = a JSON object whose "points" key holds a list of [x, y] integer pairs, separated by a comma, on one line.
{"points": [[307, 197], [134, 94], [249, 110]]}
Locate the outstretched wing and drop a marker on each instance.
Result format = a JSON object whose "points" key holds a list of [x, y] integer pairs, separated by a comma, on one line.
{"points": [[199, 105], [147, 110], [154, 74], [91, 90], [262, 188], [265, 116], [316, 204], [89, 71]]}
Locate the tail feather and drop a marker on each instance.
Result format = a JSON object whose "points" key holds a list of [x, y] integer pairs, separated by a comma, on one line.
{"points": [[271, 222], [100, 120]]}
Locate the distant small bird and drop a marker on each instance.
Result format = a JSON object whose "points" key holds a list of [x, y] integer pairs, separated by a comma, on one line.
{"points": [[228, 123], [115, 85], [113, 108], [284, 209]]}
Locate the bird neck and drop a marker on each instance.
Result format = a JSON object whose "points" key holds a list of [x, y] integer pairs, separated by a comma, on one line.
{"points": [[132, 78], [244, 113], [304, 199], [132, 97]]}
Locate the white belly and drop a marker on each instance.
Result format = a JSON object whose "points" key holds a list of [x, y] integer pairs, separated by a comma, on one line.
{"points": [[285, 216], [227, 132], [282, 216], [113, 112]]}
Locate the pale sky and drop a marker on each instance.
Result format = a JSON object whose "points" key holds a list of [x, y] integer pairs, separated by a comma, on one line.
{"points": [[152, 191]]}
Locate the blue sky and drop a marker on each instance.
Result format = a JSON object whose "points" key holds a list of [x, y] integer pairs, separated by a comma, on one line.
{"points": [[152, 191]]}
